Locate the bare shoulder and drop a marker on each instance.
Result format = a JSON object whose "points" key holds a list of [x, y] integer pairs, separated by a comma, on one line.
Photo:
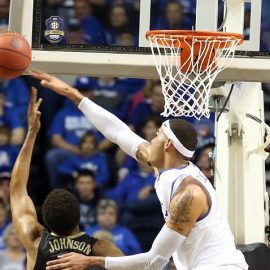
{"points": [[105, 248], [143, 152], [187, 205]]}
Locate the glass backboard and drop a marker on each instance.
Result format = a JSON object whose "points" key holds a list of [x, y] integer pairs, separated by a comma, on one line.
{"points": [[75, 37]]}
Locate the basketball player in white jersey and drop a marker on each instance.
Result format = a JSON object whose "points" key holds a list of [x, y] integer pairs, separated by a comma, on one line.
{"points": [[195, 232]]}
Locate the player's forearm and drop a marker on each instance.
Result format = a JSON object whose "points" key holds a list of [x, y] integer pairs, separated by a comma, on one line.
{"points": [[164, 245], [134, 262], [108, 124], [100, 261], [75, 96], [21, 168], [111, 127]]}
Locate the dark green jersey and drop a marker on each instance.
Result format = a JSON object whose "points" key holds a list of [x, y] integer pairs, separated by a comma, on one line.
{"points": [[52, 246]]}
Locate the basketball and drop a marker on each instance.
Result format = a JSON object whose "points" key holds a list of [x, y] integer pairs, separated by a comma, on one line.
{"points": [[15, 55]]}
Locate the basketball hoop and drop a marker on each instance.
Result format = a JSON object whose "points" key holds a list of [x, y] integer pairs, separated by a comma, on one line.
{"points": [[188, 63]]}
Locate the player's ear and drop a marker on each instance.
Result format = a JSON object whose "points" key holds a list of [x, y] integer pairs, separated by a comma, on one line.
{"points": [[168, 144]]}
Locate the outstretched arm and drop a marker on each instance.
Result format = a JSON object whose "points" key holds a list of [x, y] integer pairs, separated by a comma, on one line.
{"points": [[108, 124], [101, 248], [105, 248], [186, 207], [23, 210]]}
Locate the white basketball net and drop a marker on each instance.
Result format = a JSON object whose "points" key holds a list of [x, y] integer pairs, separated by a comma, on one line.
{"points": [[186, 92]]}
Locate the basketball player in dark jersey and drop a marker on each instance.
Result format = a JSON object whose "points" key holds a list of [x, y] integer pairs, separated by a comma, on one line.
{"points": [[61, 211]]}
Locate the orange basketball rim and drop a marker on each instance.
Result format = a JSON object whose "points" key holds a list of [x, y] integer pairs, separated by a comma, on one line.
{"points": [[198, 49]]}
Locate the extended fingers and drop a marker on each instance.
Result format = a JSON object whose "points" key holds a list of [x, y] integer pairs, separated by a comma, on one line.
{"points": [[38, 102], [66, 255], [34, 101], [61, 260], [33, 95], [60, 263], [46, 84], [63, 266]]}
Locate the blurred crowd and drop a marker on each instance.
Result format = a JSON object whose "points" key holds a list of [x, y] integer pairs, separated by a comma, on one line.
{"points": [[116, 194], [116, 22]]}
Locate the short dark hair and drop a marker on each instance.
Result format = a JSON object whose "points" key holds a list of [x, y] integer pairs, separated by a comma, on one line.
{"points": [[151, 118], [86, 172], [185, 133], [61, 212], [106, 203]]}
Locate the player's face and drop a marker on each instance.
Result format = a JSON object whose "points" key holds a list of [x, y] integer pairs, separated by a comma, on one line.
{"points": [[157, 147]]}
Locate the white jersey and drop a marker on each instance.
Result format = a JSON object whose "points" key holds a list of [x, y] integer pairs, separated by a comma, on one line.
{"points": [[210, 243]]}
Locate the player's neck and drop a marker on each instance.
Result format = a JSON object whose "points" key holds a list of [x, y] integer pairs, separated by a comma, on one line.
{"points": [[75, 231], [170, 163]]}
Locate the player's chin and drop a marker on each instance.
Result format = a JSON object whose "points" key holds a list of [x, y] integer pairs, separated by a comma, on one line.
{"points": [[152, 162]]}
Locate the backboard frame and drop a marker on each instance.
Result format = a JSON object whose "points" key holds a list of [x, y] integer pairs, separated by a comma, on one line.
{"points": [[252, 67]]}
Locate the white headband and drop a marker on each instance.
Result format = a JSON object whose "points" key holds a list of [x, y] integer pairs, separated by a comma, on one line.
{"points": [[176, 143]]}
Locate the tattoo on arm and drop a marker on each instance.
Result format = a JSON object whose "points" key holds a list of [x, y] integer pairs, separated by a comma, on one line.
{"points": [[180, 209]]}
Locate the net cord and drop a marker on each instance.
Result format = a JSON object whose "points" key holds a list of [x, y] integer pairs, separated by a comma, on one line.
{"points": [[187, 90]]}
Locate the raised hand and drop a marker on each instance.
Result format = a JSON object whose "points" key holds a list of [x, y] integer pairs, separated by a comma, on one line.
{"points": [[33, 111], [57, 85]]}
